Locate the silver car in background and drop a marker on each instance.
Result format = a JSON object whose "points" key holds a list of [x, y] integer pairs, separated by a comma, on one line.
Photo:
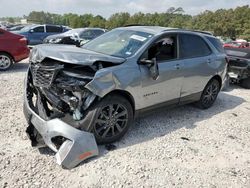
{"points": [[77, 96]]}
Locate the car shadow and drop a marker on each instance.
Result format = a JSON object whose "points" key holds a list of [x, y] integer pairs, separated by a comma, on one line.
{"points": [[18, 67], [163, 121]]}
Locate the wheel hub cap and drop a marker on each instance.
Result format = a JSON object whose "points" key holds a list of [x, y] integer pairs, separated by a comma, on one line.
{"points": [[4, 62], [111, 120]]}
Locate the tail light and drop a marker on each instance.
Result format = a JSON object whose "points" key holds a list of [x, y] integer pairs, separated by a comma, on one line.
{"points": [[23, 41]]}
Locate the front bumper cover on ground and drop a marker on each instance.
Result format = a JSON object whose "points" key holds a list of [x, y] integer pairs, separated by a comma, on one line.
{"points": [[79, 145]]}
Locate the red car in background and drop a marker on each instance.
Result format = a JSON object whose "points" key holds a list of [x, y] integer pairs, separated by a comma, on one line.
{"points": [[235, 44], [13, 48]]}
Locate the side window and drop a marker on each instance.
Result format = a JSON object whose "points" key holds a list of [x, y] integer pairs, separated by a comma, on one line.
{"points": [[86, 34], [39, 29], [217, 44], [53, 29], [97, 33], [193, 46], [164, 49]]}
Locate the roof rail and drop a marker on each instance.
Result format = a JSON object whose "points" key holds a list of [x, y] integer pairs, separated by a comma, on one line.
{"points": [[196, 31]]}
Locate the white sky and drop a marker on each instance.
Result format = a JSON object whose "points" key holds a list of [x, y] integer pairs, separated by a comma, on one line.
{"points": [[107, 7]]}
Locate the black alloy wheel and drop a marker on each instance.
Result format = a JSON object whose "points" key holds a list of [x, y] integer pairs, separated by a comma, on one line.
{"points": [[209, 94]]}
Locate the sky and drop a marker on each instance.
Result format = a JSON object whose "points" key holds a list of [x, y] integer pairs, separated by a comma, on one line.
{"points": [[12, 8]]}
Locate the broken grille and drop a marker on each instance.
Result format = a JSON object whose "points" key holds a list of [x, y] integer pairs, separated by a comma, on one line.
{"points": [[43, 76]]}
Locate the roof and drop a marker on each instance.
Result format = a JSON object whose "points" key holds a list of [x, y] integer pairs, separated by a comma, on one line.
{"points": [[157, 30]]}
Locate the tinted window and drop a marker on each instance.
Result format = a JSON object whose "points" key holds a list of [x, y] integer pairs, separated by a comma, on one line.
{"points": [[193, 46], [39, 29], [86, 34], [217, 44], [53, 29]]}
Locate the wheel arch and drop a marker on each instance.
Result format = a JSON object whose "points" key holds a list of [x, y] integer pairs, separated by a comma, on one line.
{"points": [[124, 94], [7, 53], [218, 78]]}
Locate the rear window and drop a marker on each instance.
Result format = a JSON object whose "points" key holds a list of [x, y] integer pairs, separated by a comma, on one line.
{"points": [[217, 44], [54, 29], [193, 46]]}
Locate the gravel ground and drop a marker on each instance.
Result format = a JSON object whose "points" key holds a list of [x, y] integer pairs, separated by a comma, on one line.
{"points": [[180, 147]]}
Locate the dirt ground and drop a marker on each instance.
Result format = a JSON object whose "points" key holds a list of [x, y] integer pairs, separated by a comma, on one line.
{"points": [[180, 147]]}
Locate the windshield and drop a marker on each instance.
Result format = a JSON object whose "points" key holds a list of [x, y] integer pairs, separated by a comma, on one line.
{"points": [[119, 43]]}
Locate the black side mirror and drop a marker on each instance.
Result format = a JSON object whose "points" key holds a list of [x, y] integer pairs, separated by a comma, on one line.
{"points": [[153, 67]]}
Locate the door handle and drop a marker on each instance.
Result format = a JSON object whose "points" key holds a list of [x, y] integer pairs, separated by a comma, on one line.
{"points": [[209, 61], [177, 66]]}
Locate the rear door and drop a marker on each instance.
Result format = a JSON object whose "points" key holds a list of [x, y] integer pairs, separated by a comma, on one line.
{"points": [[52, 30], [199, 63]]}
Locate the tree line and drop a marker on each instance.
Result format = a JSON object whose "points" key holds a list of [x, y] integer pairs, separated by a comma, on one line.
{"points": [[223, 22]]}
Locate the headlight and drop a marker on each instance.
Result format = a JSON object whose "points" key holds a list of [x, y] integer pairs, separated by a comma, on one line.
{"points": [[55, 40]]}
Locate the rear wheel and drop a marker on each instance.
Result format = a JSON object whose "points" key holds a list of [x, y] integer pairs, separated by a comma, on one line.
{"points": [[209, 94], [111, 118], [5, 61], [245, 83]]}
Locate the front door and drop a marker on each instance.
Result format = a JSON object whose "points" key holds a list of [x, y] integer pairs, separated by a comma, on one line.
{"points": [[36, 35], [168, 85]]}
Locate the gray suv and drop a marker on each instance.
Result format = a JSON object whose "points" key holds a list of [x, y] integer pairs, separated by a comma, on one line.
{"points": [[77, 96]]}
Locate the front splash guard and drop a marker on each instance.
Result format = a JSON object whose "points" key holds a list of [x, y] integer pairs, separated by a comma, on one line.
{"points": [[79, 145]]}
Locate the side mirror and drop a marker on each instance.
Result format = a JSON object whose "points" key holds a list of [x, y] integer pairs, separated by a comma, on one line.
{"points": [[31, 31], [152, 66]]}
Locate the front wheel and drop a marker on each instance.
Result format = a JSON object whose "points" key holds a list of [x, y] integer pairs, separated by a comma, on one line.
{"points": [[209, 94], [5, 61], [111, 118]]}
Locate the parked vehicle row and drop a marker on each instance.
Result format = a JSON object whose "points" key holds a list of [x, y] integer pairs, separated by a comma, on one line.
{"points": [[236, 44], [77, 96], [37, 33], [13, 48]]}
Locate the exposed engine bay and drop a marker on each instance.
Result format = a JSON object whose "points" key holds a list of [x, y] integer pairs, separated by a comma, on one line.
{"points": [[61, 88]]}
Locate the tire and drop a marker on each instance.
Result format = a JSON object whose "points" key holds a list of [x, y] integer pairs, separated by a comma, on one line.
{"points": [[6, 61], [209, 94], [245, 83], [108, 126]]}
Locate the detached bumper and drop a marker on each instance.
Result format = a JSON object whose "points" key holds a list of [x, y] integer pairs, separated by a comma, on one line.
{"points": [[79, 145]]}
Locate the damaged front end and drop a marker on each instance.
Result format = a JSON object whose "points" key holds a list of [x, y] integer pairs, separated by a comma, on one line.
{"points": [[55, 105]]}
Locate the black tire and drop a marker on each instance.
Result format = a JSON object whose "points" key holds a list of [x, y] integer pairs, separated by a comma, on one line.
{"points": [[6, 61], [108, 126], [209, 94], [245, 83]]}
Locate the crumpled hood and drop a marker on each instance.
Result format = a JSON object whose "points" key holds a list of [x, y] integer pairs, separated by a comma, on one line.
{"points": [[70, 54]]}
